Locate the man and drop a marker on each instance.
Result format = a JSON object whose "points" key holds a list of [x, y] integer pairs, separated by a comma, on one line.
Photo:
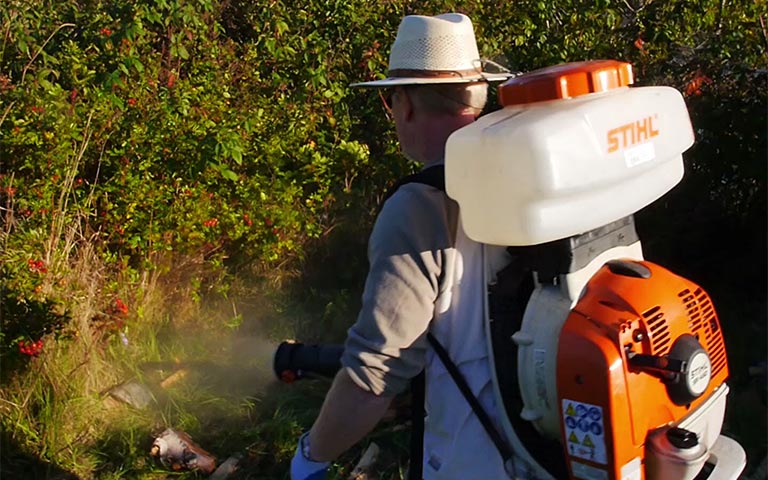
{"points": [[425, 275]]}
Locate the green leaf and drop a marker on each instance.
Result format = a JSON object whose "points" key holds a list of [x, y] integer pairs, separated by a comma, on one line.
{"points": [[117, 102], [138, 65], [229, 174]]}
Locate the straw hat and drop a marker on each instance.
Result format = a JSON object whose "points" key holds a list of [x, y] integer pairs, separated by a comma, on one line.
{"points": [[432, 50]]}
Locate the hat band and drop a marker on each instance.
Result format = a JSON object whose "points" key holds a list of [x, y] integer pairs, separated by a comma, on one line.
{"points": [[411, 73]]}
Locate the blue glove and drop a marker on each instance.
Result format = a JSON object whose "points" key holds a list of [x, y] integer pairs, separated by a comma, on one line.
{"points": [[302, 468]]}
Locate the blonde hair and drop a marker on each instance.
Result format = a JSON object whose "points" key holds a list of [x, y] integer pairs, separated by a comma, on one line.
{"points": [[450, 99]]}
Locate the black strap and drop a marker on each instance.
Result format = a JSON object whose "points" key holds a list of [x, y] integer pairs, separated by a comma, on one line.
{"points": [[434, 176], [504, 450], [507, 301], [415, 469]]}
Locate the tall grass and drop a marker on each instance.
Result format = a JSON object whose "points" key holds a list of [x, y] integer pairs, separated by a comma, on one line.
{"points": [[50, 405], [56, 408], [56, 413]]}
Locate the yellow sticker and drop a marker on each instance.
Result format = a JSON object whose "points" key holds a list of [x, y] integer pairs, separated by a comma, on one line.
{"points": [[584, 433]]}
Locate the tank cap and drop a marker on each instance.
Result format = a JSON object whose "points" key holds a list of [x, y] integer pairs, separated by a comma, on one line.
{"points": [[567, 80], [682, 438]]}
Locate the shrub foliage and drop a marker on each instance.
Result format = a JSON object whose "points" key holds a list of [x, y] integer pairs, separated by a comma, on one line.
{"points": [[219, 135], [227, 128]]}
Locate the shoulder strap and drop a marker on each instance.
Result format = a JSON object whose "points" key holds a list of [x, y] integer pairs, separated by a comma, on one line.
{"points": [[504, 450], [418, 397], [434, 176]]}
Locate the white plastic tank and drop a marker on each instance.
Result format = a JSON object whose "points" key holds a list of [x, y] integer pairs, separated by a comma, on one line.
{"points": [[572, 149]]}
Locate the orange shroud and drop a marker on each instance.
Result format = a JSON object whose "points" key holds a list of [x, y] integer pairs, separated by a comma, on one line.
{"points": [[609, 406]]}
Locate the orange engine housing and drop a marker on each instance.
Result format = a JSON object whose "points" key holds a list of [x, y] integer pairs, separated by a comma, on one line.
{"points": [[609, 406]]}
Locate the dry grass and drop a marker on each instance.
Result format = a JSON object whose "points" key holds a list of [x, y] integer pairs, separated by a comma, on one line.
{"points": [[54, 409], [55, 416], [57, 420]]}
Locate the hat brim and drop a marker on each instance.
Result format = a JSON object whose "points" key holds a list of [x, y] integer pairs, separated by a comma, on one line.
{"points": [[398, 81]]}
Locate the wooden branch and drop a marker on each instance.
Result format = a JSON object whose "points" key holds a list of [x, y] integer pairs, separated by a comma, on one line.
{"points": [[31, 60], [762, 25]]}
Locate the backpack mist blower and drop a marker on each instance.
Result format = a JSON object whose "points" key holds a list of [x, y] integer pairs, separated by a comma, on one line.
{"points": [[608, 367]]}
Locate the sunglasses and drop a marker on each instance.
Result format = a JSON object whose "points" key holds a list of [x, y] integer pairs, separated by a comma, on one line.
{"points": [[386, 99]]}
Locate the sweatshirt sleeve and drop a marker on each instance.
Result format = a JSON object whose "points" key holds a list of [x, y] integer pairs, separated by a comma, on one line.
{"points": [[407, 250]]}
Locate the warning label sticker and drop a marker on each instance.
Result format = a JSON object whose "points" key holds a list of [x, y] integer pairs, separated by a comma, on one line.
{"points": [[584, 430]]}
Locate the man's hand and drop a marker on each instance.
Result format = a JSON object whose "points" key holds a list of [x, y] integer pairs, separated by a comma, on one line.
{"points": [[348, 414], [302, 467]]}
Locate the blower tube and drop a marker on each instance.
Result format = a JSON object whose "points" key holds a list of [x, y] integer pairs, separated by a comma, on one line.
{"points": [[294, 361]]}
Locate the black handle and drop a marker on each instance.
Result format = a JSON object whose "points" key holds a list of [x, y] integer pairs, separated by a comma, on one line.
{"points": [[294, 361]]}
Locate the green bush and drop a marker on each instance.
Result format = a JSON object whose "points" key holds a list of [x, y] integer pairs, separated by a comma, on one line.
{"points": [[143, 129], [227, 129], [187, 141]]}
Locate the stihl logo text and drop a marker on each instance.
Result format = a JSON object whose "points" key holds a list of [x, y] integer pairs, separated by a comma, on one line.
{"points": [[632, 133]]}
